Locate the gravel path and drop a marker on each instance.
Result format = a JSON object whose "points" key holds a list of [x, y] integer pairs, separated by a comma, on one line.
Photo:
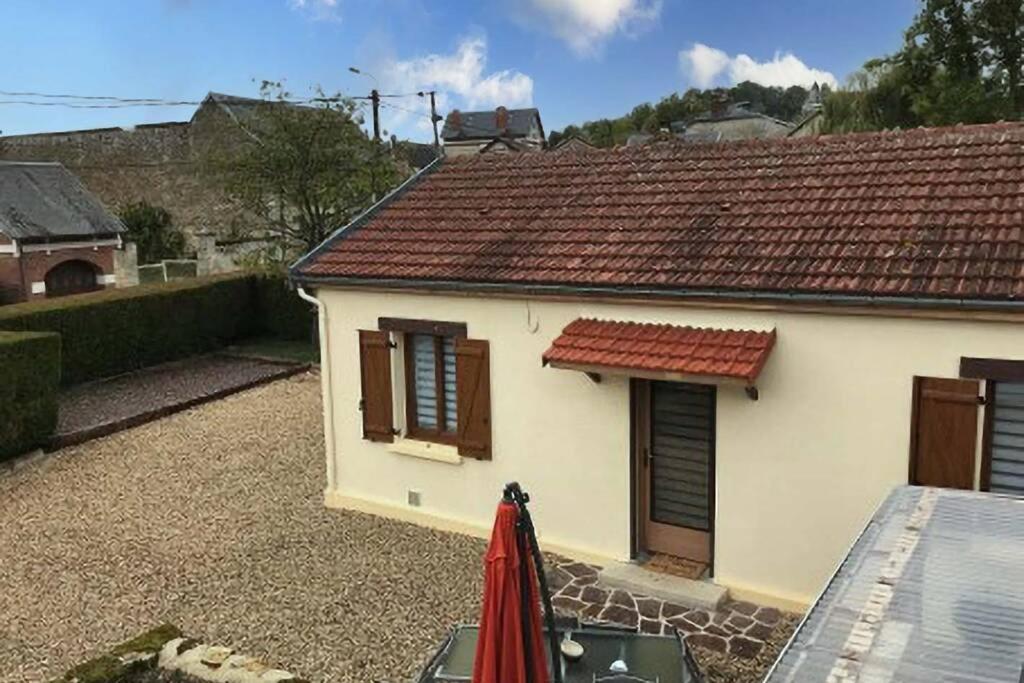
{"points": [[213, 519], [86, 407]]}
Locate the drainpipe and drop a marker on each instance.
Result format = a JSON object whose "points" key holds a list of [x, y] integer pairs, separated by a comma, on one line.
{"points": [[326, 387]]}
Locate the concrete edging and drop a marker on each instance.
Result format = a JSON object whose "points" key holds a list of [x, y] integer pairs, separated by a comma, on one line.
{"points": [[58, 441]]}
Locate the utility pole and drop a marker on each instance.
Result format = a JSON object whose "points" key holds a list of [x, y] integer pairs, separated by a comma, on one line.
{"points": [[375, 98], [434, 118]]}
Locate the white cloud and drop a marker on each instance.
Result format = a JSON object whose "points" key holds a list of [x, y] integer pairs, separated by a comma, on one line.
{"points": [[703, 63], [461, 77], [585, 24], [707, 66], [321, 10]]}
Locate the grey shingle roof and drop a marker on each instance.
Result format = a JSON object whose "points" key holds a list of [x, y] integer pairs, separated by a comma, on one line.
{"points": [[43, 200], [481, 125]]}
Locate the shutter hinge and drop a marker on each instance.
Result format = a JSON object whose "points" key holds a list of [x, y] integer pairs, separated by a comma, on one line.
{"points": [[362, 405], [392, 344], [396, 432]]}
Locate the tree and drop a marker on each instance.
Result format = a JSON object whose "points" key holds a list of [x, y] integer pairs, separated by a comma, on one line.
{"points": [[152, 230], [647, 118], [307, 171], [960, 62]]}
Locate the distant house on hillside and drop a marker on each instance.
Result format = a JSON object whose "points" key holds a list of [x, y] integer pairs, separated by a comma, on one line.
{"points": [[813, 113], [501, 130], [56, 238], [734, 122], [574, 143]]}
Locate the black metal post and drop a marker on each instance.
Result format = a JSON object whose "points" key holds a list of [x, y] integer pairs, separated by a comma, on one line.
{"points": [[516, 494]]}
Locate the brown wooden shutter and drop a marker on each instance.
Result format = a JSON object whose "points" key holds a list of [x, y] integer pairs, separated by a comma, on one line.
{"points": [[944, 432], [473, 392], [375, 375]]}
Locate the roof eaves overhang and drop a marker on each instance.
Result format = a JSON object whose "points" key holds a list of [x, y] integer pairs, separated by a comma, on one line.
{"points": [[662, 376], [768, 297]]}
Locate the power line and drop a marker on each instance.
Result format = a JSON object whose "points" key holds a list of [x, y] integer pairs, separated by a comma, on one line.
{"points": [[160, 101]]}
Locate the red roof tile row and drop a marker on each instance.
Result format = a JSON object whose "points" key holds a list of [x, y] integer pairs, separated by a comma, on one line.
{"points": [[920, 213], [589, 343]]}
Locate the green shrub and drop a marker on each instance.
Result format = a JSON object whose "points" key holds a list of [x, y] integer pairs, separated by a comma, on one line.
{"points": [[282, 314], [29, 378], [115, 331]]}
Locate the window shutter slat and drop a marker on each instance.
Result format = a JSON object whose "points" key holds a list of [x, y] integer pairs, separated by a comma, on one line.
{"points": [[375, 376], [473, 395]]}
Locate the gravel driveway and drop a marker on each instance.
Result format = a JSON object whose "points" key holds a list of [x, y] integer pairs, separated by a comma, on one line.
{"points": [[213, 519]]}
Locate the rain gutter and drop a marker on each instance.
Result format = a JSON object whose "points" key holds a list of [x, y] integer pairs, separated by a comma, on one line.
{"points": [[649, 293]]}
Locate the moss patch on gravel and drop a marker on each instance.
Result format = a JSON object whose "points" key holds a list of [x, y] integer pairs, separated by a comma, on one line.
{"points": [[110, 668]]}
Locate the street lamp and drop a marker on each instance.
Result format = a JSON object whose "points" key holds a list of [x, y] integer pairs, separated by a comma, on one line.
{"points": [[364, 73]]}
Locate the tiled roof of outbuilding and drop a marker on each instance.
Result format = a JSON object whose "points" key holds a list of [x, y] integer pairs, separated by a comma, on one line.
{"points": [[935, 213], [586, 343]]}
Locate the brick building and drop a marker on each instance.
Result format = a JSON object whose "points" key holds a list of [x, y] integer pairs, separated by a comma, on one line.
{"points": [[56, 237]]}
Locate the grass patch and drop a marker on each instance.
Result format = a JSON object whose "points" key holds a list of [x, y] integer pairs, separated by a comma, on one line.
{"points": [[277, 349]]}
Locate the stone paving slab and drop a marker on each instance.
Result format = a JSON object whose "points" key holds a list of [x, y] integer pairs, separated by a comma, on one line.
{"points": [[739, 629], [95, 409]]}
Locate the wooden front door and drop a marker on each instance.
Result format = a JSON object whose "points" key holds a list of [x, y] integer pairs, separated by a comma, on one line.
{"points": [[944, 432], [675, 437]]}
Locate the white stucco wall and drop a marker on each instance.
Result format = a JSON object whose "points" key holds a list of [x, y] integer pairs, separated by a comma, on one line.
{"points": [[798, 471]]}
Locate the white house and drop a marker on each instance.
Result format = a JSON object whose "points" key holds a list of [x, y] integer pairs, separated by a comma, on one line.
{"points": [[727, 352]]}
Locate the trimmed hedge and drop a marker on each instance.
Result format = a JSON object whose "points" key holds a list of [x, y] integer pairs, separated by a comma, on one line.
{"points": [[116, 331], [280, 311], [29, 378]]}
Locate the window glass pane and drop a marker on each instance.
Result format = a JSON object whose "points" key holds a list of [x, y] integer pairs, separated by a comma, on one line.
{"points": [[425, 380], [451, 422]]}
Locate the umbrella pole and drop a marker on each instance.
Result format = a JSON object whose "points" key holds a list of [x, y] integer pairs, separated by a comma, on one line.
{"points": [[514, 493]]}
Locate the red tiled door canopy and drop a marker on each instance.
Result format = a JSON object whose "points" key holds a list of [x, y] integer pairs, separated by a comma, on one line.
{"points": [[660, 351]]}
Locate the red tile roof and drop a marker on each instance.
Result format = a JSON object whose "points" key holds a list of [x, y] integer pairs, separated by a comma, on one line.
{"points": [[669, 349], [920, 213]]}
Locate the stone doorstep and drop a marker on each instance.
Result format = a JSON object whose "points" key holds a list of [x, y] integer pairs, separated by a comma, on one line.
{"points": [[675, 589]]}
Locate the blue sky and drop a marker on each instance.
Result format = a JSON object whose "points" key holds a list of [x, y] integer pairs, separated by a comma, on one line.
{"points": [[574, 59]]}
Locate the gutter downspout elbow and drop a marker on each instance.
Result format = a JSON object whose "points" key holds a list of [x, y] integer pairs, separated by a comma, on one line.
{"points": [[326, 386]]}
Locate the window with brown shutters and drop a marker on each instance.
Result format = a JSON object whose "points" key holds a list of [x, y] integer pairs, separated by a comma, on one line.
{"points": [[473, 396], [375, 375], [447, 385]]}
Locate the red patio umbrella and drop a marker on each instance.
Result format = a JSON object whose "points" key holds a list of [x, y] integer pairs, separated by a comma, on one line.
{"points": [[510, 647]]}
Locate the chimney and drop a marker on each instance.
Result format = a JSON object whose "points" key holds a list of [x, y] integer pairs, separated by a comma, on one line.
{"points": [[719, 104], [501, 120], [455, 120]]}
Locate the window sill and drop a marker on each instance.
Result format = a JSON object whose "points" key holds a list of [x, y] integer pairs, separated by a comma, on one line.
{"points": [[427, 450]]}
